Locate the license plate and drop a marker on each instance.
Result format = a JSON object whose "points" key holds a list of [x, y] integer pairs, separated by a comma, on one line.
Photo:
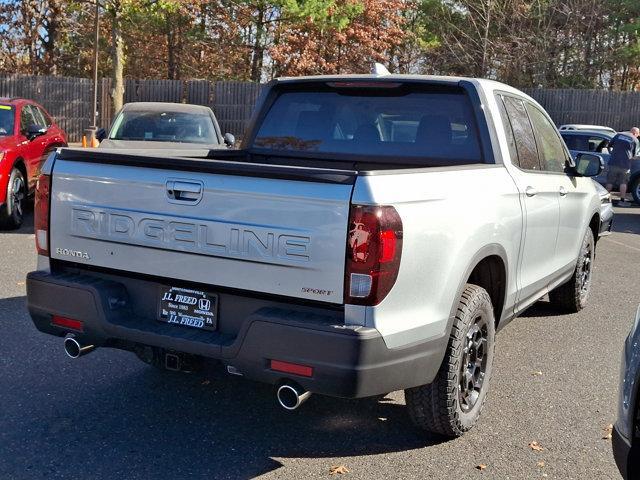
{"points": [[190, 308]]}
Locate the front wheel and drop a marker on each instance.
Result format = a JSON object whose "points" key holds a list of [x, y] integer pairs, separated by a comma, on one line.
{"points": [[572, 296], [12, 213], [452, 403]]}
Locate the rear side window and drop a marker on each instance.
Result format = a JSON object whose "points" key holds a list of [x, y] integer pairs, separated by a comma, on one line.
{"points": [[586, 143], [438, 127], [508, 131], [523, 133], [552, 153]]}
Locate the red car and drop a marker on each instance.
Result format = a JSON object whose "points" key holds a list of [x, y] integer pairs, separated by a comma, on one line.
{"points": [[27, 135]]}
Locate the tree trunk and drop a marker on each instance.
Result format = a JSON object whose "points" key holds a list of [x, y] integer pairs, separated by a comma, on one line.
{"points": [[50, 43], [258, 48], [117, 59]]}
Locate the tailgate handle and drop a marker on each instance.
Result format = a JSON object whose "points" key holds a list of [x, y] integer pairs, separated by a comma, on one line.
{"points": [[183, 191]]}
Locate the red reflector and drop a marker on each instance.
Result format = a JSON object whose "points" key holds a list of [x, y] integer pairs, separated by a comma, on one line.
{"points": [[67, 323], [294, 368], [388, 247]]}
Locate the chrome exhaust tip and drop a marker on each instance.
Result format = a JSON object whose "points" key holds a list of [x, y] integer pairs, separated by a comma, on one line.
{"points": [[74, 349], [290, 397]]}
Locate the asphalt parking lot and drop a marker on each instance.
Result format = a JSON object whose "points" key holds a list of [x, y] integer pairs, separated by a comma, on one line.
{"points": [[107, 415]]}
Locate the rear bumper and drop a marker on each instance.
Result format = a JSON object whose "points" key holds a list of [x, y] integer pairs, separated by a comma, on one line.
{"points": [[347, 361]]}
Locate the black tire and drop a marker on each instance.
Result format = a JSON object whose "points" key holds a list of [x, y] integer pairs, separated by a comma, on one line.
{"points": [[634, 189], [12, 213], [571, 297], [451, 405]]}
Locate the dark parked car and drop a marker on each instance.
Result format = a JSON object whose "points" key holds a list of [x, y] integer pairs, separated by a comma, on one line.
{"points": [[27, 135], [594, 141], [626, 431], [170, 127]]}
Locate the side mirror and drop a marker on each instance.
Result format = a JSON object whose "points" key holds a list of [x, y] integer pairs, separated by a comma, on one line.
{"points": [[34, 131], [587, 165], [229, 140], [101, 134]]}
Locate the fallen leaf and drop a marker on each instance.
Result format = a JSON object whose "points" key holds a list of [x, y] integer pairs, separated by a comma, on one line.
{"points": [[536, 373], [205, 382], [338, 469], [20, 283], [535, 446], [481, 467], [608, 430], [540, 464]]}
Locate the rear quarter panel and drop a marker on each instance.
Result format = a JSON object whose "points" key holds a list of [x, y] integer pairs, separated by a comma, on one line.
{"points": [[449, 215]]}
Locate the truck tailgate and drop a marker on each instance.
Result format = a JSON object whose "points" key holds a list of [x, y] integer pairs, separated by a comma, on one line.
{"points": [[268, 232]]}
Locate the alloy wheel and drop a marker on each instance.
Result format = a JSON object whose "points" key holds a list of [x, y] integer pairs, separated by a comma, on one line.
{"points": [[474, 363], [585, 270], [17, 196]]}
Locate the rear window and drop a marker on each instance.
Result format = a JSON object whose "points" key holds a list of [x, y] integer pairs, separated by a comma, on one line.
{"points": [[6, 120], [397, 123], [164, 126]]}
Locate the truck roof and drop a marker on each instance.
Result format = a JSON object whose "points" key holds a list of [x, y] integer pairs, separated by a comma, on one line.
{"points": [[164, 106], [485, 84]]}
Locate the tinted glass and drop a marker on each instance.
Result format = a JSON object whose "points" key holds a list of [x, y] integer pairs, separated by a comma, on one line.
{"points": [[552, 153], [7, 116], [438, 127], [26, 118], [164, 126], [38, 116], [576, 142], [523, 133], [508, 131], [586, 143]]}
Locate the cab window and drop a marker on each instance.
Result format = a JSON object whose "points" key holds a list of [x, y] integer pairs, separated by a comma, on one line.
{"points": [[26, 118], [550, 147]]}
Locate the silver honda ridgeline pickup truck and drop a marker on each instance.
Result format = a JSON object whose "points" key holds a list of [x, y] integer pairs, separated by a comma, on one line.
{"points": [[371, 235]]}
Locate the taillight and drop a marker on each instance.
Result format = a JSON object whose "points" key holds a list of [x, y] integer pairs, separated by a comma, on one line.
{"points": [[41, 214], [374, 248]]}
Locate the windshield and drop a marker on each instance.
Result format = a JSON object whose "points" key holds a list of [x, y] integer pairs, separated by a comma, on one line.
{"points": [[6, 120], [437, 125], [164, 126]]}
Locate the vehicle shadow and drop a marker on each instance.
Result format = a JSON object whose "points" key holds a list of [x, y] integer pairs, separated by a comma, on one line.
{"points": [[627, 221], [542, 308], [110, 414], [27, 224]]}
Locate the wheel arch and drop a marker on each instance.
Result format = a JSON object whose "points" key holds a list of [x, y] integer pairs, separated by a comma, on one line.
{"points": [[594, 225], [20, 165], [489, 269]]}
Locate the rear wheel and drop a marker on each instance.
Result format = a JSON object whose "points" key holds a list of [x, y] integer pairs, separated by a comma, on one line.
{"points": [[12, 214], [452, 404], [572, 296]]}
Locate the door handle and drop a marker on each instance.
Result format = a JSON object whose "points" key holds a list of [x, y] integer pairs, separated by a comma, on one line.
{"points": [[181, 191], [562, 192], [530, 191]]}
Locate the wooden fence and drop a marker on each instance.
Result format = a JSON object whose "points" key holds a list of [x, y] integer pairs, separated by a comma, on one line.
{"points": [[69, 101], [618, 110]]}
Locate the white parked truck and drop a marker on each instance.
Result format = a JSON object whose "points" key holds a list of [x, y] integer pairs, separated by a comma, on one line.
{"points": [[370, 235]]}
